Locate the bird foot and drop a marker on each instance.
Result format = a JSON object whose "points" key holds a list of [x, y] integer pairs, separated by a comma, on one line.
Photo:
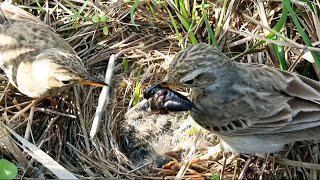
{"points": [[214, 154], [53, 101]]}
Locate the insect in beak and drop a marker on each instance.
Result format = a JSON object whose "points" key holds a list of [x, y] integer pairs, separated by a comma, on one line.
{"points": [[162, 98]]}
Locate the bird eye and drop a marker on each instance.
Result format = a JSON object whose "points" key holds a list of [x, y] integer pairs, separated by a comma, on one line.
{"points": [[66, 82], [189, 82]]}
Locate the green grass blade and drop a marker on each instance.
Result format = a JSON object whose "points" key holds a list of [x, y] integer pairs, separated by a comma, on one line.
{"points": [[133, 9], [83, 7], [187, 24], [223, 11], [279, 52], [184, 21], [136, 98], [287, 5], [174, 24], [125, 65], [208, 26], [279, 25], [307, 69], [183, 10]]}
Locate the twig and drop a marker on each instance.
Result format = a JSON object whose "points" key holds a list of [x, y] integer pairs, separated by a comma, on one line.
{"points": [[49, 111], [291, 42], [28, 129], [24, 109], [103, 98], [296, 163], [245, 168], [42, 157], [187, 163], [4, 91], [82, 121]]}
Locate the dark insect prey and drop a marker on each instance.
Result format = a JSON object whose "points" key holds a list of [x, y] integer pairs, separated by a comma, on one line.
{"points": [[163, 99]]}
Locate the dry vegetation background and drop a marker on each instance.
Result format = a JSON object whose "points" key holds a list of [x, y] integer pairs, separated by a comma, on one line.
{"points": [[145, 36]]}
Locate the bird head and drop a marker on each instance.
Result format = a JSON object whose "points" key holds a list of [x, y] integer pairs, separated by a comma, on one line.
{"points": [[196, 67], [60, 69]]}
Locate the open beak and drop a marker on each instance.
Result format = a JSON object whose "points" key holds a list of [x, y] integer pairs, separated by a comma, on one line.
{"points": [[92, 81]]}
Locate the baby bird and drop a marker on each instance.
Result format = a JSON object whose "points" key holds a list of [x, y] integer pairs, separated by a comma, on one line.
{"points": [[37, 61]]}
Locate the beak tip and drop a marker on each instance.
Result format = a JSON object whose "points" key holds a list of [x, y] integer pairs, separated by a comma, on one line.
{"points": [[92, 81]]}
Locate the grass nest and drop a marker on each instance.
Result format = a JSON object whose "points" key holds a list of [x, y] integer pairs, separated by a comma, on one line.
{"points": [[130, 144]]}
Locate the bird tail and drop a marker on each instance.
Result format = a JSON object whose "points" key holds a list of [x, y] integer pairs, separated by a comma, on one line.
{"points": [[306, 134]]}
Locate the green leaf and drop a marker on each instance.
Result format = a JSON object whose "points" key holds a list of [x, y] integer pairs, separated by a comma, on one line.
{"points": [[215, 177], [136, 98], [75, 17], [105, 30], [95, 19], [104, 19], [125, 65], [185, 21], [7, 169], [192, 131]]}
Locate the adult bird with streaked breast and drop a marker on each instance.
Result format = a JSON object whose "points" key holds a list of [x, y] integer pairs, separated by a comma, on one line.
{"points": [[252, 108], [36, 60]]}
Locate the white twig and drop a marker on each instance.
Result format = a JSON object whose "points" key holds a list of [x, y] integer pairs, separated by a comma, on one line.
{"points": [[103, 98], [42, 157]]}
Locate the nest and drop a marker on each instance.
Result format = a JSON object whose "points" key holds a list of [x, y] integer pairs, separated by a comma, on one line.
{"points": [[132, 145]]}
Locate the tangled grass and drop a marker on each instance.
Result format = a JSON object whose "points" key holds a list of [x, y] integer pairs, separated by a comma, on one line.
{"points": [[144, 36]]}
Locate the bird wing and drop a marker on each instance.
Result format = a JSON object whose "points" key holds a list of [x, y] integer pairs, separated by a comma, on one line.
{"points": [[299, 86], [10, 13], [19, 26], [297, 106]]}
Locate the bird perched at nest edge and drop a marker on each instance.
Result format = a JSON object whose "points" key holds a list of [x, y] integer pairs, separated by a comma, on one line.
{"points": [[252, 108], [35, 59]]}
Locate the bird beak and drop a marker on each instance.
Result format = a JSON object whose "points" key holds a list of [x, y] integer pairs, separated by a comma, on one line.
{"points": [[92, 81], [166, 84]]}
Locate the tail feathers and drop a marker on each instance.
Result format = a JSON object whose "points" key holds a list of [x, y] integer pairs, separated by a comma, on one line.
{"points": [[306, 134]]}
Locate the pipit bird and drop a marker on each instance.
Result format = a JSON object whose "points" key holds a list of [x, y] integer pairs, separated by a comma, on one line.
{"points": [[252, 108], [37, 61]]}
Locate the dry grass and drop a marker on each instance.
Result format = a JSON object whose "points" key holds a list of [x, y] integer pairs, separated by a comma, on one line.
{"points": [[61, 129]]}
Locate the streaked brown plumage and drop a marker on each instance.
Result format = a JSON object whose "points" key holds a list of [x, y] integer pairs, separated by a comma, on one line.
{"points": [[252, 108], [35, 59]]}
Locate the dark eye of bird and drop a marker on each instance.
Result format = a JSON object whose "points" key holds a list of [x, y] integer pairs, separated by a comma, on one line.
{"points": [[66, 82], [189, 82]]}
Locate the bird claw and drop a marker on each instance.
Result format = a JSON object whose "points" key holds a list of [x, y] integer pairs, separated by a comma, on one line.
{"points": [[170, 165], [173, 167]]}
